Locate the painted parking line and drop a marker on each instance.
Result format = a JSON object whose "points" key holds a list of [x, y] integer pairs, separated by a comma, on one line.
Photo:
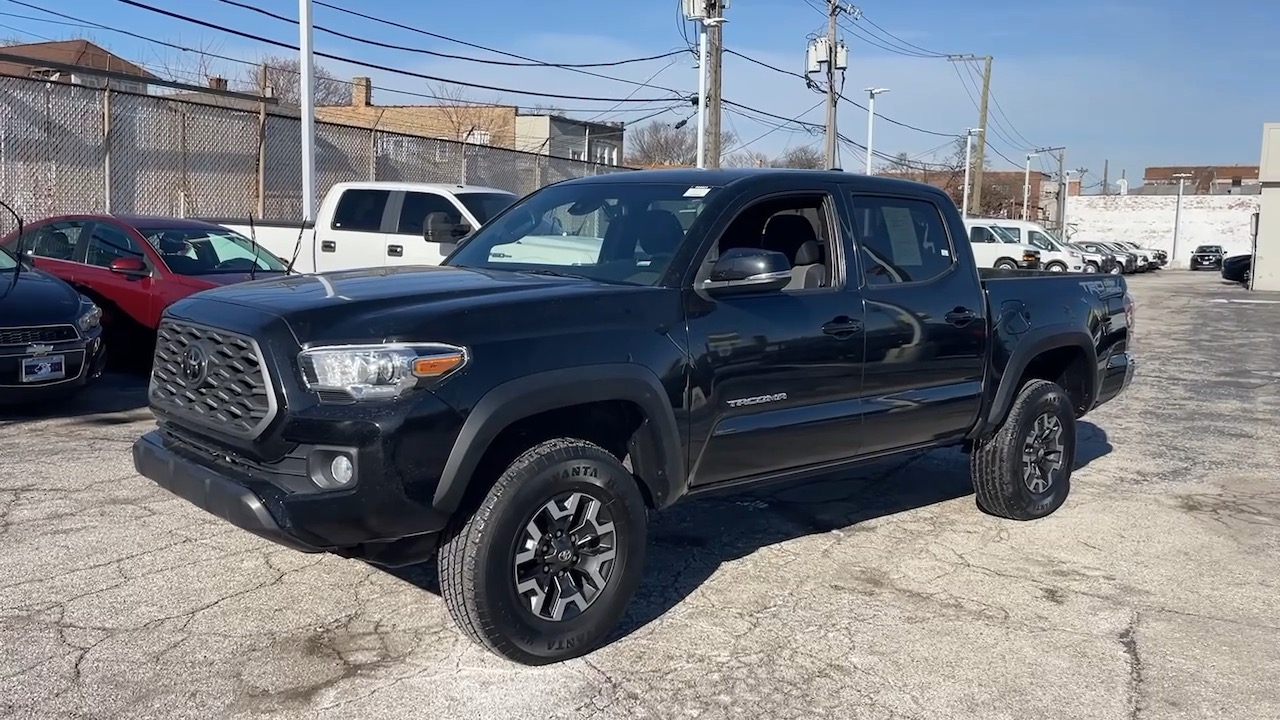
{"points": [[1245, 301]]}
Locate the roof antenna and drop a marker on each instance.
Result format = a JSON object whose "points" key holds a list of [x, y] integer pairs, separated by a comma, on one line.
{"points": [[253, 238], [17, 268]]}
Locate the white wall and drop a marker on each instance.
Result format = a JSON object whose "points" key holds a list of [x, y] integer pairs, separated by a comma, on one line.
{"points": [[1266, 265], [1148, 220]]}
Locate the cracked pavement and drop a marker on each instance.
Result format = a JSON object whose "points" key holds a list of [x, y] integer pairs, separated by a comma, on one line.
{"points": [[1151, 594]]}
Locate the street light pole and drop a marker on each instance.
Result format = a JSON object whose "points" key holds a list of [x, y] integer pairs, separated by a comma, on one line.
{"points": [[1026, 186], [702, 95], [968, 168], [1177, 215], [306, 99], [872, 92]]}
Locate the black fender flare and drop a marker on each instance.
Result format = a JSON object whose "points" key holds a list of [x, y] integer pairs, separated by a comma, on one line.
{"points": [[656, 452], [1029, 346]]}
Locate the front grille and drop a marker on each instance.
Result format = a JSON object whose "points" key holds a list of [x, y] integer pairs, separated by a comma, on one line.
{"points": [[44, 334], [211, 377]]}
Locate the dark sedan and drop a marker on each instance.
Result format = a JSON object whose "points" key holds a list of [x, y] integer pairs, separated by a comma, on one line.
{"points": [[1238, 268], [50, 336], [1207, 257]]}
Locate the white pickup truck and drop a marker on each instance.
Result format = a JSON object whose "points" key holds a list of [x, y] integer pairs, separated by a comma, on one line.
{"points": [[375, 224]]}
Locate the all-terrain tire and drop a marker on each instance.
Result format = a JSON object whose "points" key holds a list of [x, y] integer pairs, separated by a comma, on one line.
{"points": [[476, 558], [996, 464]]}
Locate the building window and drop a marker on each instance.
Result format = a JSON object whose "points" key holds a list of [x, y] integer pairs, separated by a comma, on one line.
{"points": [[478, 137], [575, 155]]}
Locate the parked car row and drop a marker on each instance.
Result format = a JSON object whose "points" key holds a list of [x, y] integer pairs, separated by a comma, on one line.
{"points": [[1008, 244]]}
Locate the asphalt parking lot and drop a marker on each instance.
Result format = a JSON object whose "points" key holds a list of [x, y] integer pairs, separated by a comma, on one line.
{"points": [[1154, 593]]}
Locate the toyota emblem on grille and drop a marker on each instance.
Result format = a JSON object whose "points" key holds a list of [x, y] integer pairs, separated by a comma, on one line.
{"points": [[195, 364]]}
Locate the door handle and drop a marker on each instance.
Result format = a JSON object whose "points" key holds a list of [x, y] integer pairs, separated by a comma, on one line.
{"points": [[842, 328], [960, 317], [328, 246], [395, 250]]}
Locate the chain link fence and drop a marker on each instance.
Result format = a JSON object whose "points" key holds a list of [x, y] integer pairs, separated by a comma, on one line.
{"points": [[69, 149]]}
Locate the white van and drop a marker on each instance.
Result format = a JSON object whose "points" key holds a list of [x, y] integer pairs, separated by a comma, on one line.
{"points": [[991, 250], [1055, 256]]}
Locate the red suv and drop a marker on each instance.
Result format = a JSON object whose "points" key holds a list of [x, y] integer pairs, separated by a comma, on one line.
{"points": [[134, 267]]}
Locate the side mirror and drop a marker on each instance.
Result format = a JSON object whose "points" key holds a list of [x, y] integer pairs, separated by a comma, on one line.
{"points": [[128, 266], [743, 270], [445, 232]]}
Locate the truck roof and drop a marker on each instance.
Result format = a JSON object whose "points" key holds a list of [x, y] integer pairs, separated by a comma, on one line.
{"points": [[720, 177], [454, 188]]}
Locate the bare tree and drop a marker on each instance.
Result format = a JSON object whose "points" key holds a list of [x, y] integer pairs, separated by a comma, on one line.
{"points": [[466, 119], [541, 109], [806, 157], [947, 173], [284, 79], [658, 143], [195, 66]]}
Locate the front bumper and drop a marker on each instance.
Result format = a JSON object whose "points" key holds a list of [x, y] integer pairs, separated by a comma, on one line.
{"points": [[279, 502], [85, 361], [1028, 264]]}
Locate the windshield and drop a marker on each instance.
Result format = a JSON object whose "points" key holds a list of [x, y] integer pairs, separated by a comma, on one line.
{"points": [[609, 231], [1209, 249], [205, 251], [1004, 234], [486, 205]]}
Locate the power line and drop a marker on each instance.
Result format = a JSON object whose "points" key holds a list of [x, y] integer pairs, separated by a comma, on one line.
{"points": [[774, 129], [450, 56], [1000, 129], [854, 103], [84, 23], [905, 43], [384, 68]]}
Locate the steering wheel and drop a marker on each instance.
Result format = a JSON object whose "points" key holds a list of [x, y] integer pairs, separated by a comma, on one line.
{"points": [[245, 264]]}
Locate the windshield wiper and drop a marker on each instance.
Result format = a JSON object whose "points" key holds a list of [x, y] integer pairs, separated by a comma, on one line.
{"points": [[556, 273]]}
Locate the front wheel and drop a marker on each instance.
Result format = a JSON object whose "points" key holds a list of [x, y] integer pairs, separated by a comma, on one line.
{"points": [[1006, 265], [1023, 472], [1090, 267], [1055, 267], [545, 568], [1116, 270]]}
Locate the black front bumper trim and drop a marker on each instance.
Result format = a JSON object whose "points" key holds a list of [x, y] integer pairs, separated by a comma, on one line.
{"points": [[209, 491]]}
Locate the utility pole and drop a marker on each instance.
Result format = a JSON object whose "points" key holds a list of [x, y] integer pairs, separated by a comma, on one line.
{"points": [[306, 99], [1177, 217], [829, 55], [715, 79], [1061, 154], [980, 157]]}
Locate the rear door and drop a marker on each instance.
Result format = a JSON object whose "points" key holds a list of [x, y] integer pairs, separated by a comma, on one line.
{"points": [[407, 244], [926, 322], [52, 247], [354, 237]]}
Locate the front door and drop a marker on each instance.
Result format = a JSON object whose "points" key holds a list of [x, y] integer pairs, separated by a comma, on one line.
{"points": [[777, 375], [133, 295], [355, 237], [408, 245], [926, 324]]}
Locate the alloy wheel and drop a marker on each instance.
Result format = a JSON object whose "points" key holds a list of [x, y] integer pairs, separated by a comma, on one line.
{"points": [[565, 556], [1043, 453]]}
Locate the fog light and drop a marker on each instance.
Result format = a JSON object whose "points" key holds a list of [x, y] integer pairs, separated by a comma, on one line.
{"points": [[341, 469]]}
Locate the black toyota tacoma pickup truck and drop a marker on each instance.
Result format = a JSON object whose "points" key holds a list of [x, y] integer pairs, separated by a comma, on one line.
{"points": [[517, 412]]}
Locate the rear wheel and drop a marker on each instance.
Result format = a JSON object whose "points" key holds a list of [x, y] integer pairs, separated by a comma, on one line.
{"points": [[1023, 471], [545, 568]]}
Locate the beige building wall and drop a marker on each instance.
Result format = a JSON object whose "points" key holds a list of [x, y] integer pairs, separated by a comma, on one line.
{"points": [[493, 125]]}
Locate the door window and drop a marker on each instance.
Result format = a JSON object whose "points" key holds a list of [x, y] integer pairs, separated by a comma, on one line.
{"points": [[1041, 241], [417, 206], [797, 226], [107, 243], [900, 240], [360, 210], [57, 241], [980, 234], [1013, 232]]}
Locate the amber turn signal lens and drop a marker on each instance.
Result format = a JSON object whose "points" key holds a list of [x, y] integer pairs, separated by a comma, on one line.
{"points": [[436, 365]]}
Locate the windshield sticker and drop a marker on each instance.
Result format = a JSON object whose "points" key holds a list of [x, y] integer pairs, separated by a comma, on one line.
{"points": [[697, 191]]}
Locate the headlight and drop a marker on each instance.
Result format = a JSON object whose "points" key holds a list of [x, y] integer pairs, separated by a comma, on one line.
{"points": [[377, 371], [90, 315]]}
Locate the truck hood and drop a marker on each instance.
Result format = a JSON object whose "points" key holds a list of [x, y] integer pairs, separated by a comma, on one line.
{"points": [[34, 297], [391, 301]]}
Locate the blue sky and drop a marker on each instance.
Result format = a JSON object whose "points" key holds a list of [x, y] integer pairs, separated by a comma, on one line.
{"points": [[1136, 82]]}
